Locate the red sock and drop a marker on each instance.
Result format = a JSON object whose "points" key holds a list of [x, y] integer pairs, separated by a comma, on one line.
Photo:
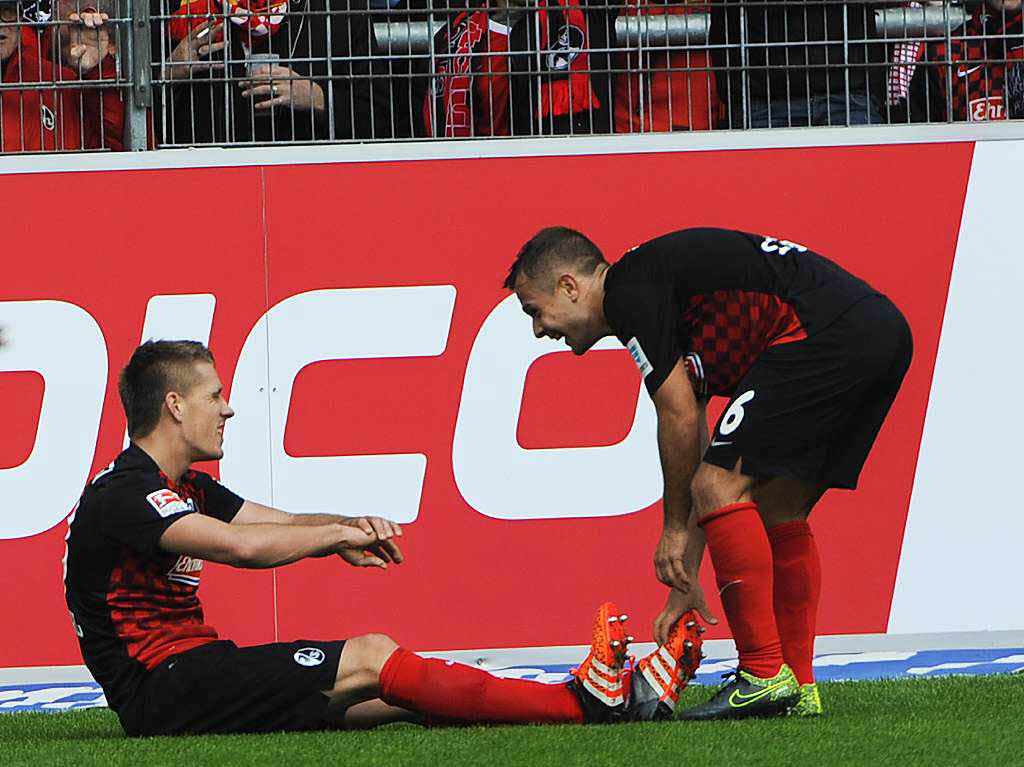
{"points": [[797, 588], [743, 570], [458, 693]]}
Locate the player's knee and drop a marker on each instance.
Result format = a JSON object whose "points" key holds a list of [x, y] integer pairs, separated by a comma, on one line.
{"points": [[370, 652], [713, 487]]}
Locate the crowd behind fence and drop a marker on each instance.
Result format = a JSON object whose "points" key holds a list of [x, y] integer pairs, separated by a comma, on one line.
{"points": [[137, 74]]}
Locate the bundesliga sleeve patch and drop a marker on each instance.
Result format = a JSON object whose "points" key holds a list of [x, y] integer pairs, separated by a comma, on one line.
{"points": [[167, 502], [646, 368]]}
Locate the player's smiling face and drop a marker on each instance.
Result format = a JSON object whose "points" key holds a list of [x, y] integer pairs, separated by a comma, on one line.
{"points": [[206, 412], [559, 312]]}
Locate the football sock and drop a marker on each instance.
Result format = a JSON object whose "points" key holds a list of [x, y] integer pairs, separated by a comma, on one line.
{"points": [[797, 588], [446, 691], [742, 558]]}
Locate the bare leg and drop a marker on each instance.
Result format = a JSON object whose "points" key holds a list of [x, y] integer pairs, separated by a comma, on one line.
{"points": [[371, 713], [785, 499]]}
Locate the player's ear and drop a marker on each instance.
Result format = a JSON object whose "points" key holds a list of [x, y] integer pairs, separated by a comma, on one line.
{"points": [[175, 405], [568, 285]]}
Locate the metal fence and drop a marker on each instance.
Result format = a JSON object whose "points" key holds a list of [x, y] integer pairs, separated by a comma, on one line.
{"points": [[137, 74]]}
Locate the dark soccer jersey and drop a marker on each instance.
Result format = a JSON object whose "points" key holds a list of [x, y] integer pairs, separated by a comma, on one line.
{"points": [[133, 604], [719, 298]]}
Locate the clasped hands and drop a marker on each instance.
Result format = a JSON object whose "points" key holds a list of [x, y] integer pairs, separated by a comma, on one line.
{"points": [[371, 542]]}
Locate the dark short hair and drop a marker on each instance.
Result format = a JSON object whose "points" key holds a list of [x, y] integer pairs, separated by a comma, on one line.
{"points": [[154, 369], [551, 248]]}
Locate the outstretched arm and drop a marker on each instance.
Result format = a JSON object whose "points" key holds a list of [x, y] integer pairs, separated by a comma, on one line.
{"points": [[260, 545], [386, 531]]}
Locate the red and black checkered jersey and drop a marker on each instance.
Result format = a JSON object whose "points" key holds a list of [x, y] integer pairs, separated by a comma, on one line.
{"points": [[133, 604], [719, 298], [980, 54]]}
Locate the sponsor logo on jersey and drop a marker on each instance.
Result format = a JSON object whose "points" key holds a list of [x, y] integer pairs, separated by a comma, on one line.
{"points": [[309, 656], [962, 71], [639, 357], [167, 502], [183, 570], [991, 108]]}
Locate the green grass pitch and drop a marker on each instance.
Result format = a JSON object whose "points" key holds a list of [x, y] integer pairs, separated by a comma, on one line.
{"points": [[949, 720]]}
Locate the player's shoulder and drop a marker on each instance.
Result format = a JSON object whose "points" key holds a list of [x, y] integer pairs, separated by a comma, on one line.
{"points": [[198, 479], [680, 245], [132, 474]]}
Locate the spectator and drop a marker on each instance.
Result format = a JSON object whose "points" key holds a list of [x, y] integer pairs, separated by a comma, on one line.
{"points": [[61, 116], [660, 90], [797, 63], [979, 76], [470, 94], [315, 91], [542, 68], [87, 48]]}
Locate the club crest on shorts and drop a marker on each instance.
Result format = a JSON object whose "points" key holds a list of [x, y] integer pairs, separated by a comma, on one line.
{"points": [[309, 656]]}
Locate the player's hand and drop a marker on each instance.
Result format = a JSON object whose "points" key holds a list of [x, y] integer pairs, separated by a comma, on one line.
{"points": [[668, 558], [679, 603], [383, 551]]}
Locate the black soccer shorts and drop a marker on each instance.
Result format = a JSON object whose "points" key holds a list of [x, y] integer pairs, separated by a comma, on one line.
{"points": [[221, 688], [813, 408]]}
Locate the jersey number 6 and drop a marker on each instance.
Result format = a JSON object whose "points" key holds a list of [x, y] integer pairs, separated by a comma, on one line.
{"points": [[733, 416]]}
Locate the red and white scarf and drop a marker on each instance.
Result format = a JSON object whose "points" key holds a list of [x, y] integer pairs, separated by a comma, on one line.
{"points": [[564, 39]]}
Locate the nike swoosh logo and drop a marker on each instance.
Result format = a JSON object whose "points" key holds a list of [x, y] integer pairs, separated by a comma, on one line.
{"points": [[961, 72], [717, 443], [739, 700]]}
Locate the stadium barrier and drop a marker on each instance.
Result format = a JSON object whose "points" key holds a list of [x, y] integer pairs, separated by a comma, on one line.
{"points": [[347, 72], [376, 366]]}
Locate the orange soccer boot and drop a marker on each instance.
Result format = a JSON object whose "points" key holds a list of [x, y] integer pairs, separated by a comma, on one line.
{"points": [[599, 681], [658, 679]]}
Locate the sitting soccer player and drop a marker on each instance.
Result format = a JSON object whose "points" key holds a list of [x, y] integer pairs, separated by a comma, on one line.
{"points": [[135, 552]]}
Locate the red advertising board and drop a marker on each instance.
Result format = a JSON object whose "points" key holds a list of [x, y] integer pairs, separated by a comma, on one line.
{"points": [[108, 241]]}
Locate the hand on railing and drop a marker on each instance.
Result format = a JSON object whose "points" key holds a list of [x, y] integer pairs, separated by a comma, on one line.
{"points": [[195, 53], [283, 88], [86, 41]]}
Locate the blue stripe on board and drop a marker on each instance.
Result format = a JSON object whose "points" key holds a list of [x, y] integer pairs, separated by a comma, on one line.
{"points": [[833, 667]]}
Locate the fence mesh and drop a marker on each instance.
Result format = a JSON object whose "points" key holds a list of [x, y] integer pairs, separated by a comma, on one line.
{"points": [[113, 74]]}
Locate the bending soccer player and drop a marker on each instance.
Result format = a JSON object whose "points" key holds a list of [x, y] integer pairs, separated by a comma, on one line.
{"points": [[135, 550], [811, 359]]}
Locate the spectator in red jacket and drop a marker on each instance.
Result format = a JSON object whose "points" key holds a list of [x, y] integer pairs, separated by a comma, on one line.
{"points": [[664, 89], [58, 117]]}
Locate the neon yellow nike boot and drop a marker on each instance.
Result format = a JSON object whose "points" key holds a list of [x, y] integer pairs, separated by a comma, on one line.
{"points": [[809, 703], [746, 695]]}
